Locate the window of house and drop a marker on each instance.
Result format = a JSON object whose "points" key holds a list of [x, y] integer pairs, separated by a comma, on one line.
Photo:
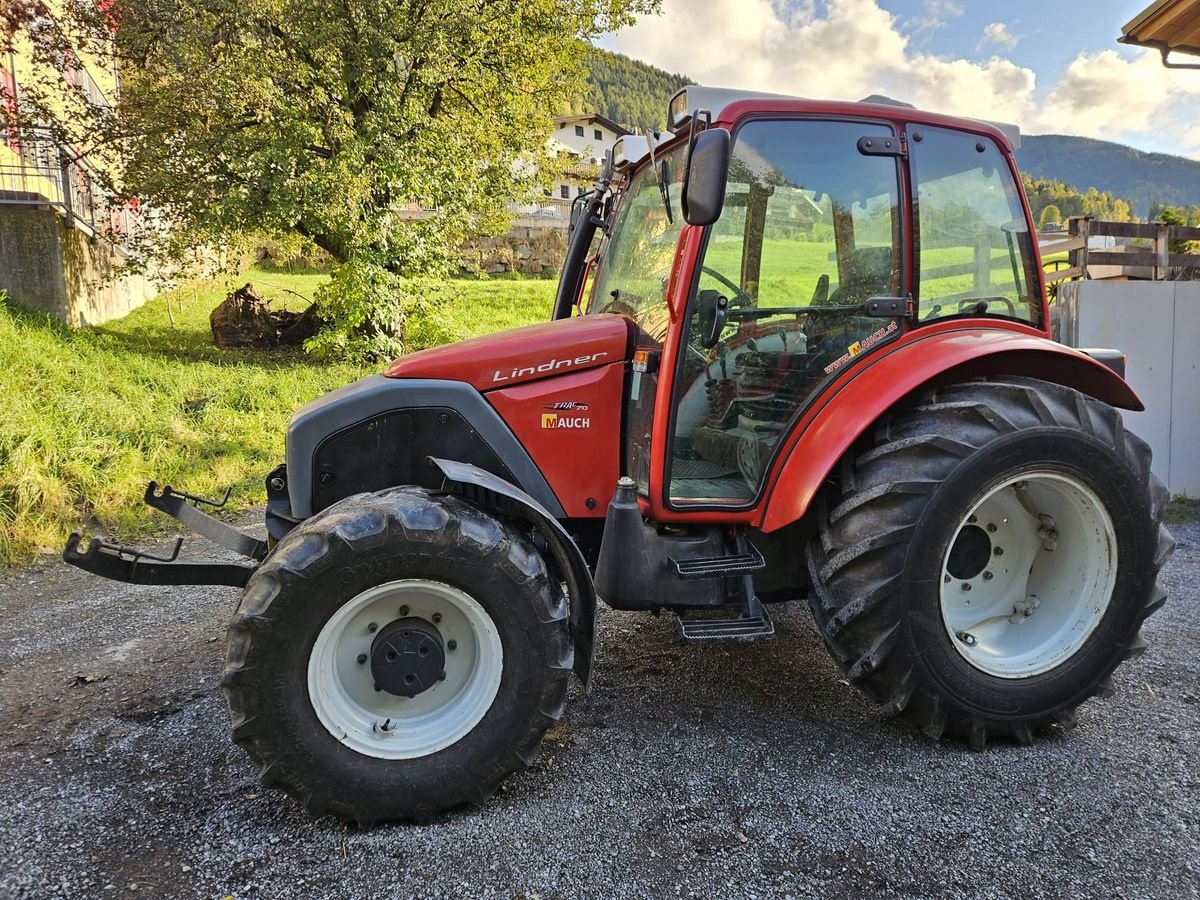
{"points": [[578, 131], [565, 191], [598, 134]]}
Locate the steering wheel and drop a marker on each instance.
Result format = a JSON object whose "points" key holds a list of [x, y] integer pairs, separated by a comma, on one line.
{"points": [[740, 297], [964, 304]]}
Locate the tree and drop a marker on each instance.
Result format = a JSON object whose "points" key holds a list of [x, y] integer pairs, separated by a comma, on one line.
{"points": [[1049, 215], [329, 122]]}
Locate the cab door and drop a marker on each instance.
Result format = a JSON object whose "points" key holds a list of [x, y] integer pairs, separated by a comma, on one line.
{"points": [[811, 229]]}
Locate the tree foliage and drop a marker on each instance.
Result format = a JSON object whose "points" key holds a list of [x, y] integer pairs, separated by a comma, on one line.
{"points": [[1068, 201], [330, 121]]}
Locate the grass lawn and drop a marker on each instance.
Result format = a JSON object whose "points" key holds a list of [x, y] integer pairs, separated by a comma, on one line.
{"points": [[90, 416]]}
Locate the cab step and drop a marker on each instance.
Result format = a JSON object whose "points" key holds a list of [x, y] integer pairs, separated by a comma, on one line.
{"points": [[751, 625], [742, 628], [746, 560]]}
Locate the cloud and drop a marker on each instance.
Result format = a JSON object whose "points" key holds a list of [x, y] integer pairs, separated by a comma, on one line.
{"points": [[997, 33], [1105, 95], [847, 49], [936, 13]]}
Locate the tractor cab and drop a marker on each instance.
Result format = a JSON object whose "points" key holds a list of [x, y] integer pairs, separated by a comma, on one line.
{"points": [[768, 250]]}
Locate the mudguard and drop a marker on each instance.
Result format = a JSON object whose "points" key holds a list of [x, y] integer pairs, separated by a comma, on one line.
{"points": [[817, 444], [494, 493]]}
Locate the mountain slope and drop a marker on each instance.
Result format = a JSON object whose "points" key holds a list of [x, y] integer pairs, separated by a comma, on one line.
{"points": [[628, 91], [1141, 178]]}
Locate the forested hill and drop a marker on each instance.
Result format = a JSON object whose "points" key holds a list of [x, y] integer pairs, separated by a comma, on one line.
{"points": [[1141, 178], [629, 91]]}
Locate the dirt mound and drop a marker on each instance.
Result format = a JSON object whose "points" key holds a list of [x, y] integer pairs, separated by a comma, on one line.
{"points": [[246, 320]]}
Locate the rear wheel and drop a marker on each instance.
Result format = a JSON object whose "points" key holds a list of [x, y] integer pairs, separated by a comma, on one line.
{"points": [[397, 655], [984, 568]]}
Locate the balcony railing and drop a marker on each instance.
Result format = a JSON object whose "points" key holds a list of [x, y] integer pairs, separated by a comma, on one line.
{"points": [[43, 174]]}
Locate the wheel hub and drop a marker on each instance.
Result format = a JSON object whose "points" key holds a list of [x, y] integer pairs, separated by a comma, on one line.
{"points": [[971, 553], [407, 657]]}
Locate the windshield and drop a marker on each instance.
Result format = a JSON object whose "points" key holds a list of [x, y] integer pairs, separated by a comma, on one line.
{"points": [[635, 260]]}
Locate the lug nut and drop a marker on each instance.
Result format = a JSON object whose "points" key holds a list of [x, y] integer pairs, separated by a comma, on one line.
{"points": [[999, 551], [362, 659], [441, 676], [437, 617], [947, 579], [372, 628], [971, 520], [277, 484], [451, 645], [991, 526], [988, 576], [966, 585], [404, 610]]}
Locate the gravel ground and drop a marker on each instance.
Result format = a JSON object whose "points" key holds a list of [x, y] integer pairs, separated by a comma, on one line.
{"points": [[748, 771]]}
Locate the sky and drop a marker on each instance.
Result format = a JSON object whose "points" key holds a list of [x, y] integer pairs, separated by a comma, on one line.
{"points": [[1051, 66]]}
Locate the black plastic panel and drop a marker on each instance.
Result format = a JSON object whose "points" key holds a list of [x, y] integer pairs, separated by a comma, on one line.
{"points": [[394, 448]]}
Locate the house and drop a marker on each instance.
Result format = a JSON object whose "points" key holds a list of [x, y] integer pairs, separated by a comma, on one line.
{"points": [[586, 137], [63, 236]]}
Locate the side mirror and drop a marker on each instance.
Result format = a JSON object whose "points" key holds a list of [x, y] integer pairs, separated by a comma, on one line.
{"points": [[703, 193]]}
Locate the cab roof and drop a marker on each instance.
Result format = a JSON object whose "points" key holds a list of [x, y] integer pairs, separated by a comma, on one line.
{"points": [[728, 104]]}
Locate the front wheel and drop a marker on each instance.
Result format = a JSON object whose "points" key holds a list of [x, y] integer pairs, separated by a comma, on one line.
{"points": [[987, 564], [397, 655]]}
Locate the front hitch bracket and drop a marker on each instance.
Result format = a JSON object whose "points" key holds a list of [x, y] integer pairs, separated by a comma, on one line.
{"points": [[139, 567]]}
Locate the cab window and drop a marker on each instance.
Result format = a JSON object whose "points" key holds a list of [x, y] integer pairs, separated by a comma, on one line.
{"points": [[974, 247]]}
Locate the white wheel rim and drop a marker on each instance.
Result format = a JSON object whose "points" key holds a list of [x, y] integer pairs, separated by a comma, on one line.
{"points": [[387, 726], [1027, 599]]}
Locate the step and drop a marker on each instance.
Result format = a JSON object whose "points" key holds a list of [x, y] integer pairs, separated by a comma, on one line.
{"points": [[743, 628], [749, 560]]}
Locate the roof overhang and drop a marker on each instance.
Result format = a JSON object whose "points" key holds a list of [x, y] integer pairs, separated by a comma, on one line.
{"points": [[1168, 26]]}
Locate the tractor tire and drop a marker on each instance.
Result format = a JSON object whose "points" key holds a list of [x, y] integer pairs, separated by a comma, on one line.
{"points": [[985, 567], [397, 655]]}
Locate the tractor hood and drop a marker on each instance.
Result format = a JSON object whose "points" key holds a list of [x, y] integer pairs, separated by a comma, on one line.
{"points": [[522, 354]]}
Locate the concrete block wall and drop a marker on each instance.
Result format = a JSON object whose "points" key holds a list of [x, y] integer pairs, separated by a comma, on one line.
{"points": [[1157, 325], [48, 267]]}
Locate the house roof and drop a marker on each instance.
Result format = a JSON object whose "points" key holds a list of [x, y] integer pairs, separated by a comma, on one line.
{"points": [[590, 118], [1166, 25]]}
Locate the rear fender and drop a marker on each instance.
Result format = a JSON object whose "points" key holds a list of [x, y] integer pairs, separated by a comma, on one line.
{"points": [[496, 495], [943, 357]]}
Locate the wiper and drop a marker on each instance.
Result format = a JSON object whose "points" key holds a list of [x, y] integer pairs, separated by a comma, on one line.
{"points": [[664, 177]]}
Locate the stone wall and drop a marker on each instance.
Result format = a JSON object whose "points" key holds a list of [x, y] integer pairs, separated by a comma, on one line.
{"points": [[48, 267], [533, 251]]}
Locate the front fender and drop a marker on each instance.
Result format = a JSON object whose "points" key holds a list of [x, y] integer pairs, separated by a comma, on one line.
{"points": [[494, 493], [872, 389]]}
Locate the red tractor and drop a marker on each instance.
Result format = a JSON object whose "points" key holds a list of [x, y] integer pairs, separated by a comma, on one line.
{"points": [[808, 356]]}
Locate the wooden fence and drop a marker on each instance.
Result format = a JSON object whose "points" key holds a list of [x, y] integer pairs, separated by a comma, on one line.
{"points": [[1158, 257]]}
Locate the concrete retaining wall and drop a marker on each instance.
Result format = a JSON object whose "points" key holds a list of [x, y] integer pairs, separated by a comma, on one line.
{"points": [[48, 267], [1157, 324]]}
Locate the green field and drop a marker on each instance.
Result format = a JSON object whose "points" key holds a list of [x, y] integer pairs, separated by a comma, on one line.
{"points": [[90, 416]]}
